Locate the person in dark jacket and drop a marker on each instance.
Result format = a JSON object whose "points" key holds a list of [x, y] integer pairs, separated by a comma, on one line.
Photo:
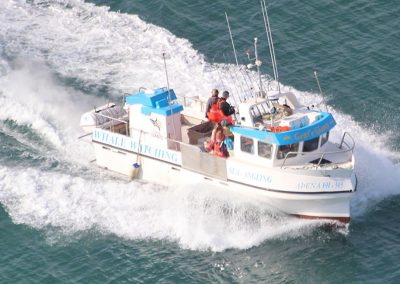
{"points": [[212, 100], [224, 106]]}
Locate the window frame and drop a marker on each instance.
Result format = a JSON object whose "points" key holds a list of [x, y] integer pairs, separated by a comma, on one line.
{"points": [[271, 150], [250, 145], [316, 139], [321, 142], [292, 148]]}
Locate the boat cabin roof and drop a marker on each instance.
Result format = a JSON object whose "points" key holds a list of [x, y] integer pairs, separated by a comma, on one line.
{"points": [[160, 101], [323, 123]]}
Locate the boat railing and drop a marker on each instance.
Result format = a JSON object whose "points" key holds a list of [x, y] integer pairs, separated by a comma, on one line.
{"points": [[345, 146], [186, 101], [111, 125]]}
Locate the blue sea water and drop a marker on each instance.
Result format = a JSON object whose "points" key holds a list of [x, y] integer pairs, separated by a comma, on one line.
{"points": [[62, 220]]}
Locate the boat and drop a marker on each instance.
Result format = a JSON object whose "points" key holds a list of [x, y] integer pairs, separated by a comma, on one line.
{"points": [[298, 170], [282, 154]]}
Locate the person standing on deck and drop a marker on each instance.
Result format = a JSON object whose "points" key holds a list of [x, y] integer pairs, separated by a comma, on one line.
{"points": [[213, 100], [224, 106]]}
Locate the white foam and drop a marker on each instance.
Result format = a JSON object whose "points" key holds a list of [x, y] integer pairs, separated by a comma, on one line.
{"points": [[30, 95], [102, 47], [195, 217], [123, 52]]}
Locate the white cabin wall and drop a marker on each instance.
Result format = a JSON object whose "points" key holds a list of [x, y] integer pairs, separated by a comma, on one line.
{"points": [[155, 126], [137, 121], [174, 130], [245, 117], [174, 125]]}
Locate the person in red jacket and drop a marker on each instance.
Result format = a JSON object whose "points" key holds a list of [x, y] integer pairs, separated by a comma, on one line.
{"points": [[220, 148], [221, 110], [212, 101], [216, 145]]}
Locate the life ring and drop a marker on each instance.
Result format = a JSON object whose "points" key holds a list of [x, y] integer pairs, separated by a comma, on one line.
{"points": [[279, 128]]}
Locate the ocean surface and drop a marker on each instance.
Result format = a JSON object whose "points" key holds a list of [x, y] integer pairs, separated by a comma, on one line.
{"points": [[63, 220]]}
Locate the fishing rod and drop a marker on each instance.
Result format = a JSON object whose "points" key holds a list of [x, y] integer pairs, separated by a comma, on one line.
{"points": [[234, 98], [214, 66], [234, 80], [239, 69], [254, 94], [270, 41], [230, 34], [237, 63], [268, 38], [258, 63], [219, 74], [246, 78], [235, 54]]}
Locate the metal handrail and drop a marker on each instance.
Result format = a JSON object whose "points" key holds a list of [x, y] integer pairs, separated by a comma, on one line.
{"points": [[202, 103], [323, 154], [145, 133], [113, 118]]}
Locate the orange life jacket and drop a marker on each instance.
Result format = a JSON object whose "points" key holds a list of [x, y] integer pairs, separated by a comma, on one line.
{"points": [[216, 115], [219, 151]]}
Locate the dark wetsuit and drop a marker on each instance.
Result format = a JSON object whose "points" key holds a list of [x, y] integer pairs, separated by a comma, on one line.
{"points": [[226, 108]]}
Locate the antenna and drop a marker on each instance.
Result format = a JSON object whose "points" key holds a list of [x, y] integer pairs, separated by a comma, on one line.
{"points": [[169, 96], [320, 90], [230, 34]]}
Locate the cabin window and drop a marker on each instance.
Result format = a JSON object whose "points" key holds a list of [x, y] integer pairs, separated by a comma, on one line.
{"points": [[247, 145], [264, 150], [311, 145], [290, 150], [324, 138]]}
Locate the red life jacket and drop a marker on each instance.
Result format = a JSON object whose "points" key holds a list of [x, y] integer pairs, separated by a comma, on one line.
{"points": [[219, 150], [213, 113], [216, 115]]}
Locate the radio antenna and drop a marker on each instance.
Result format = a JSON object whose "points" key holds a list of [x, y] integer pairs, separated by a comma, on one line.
{"points": [[169, 97], [320, 90]]}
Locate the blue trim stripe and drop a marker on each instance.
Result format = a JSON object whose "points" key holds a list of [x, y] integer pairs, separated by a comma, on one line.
{"points": [[323, 125]]}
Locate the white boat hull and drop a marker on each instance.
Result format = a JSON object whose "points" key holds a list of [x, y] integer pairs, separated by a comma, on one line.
{"points": [[284, 194]]}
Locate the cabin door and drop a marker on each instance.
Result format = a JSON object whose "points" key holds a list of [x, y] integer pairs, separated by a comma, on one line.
{"points": [[203, 162]]}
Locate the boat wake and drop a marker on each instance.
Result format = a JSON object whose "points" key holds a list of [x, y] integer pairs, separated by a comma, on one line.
{"points": [[193, 216], [102, 48]]}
